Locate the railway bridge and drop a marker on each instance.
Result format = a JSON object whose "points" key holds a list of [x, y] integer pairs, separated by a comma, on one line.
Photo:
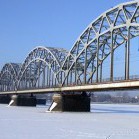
{"points": [[55, 70]]}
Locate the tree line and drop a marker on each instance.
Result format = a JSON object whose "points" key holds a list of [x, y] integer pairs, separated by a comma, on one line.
{"points": [[118, 98]]}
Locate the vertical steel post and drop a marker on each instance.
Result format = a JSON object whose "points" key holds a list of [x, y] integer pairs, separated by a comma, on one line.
{"points": [[38, 77], [112, 57], [52, 76], [85, 65], [68, 73], [47, 75], [71, 77], [55, 80], [26, 81], [67, 78], [43, 78], [61, 78], [30, 77], [2, 87], [127, 54], [75, 71], [92, 64], [100, 72], [97, 58]]}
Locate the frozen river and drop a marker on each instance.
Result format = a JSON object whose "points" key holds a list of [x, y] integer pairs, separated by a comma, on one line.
{"points": [[106, 121]]}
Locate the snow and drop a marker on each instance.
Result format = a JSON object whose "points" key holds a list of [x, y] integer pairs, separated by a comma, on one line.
{"points": [[105, 121]]}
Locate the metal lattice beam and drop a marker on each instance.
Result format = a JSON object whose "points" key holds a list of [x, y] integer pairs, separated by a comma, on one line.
{"points": [[110, 30], [8, 76], [50, 67], [43, 61]]}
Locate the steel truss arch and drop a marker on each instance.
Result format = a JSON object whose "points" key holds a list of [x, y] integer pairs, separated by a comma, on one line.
{"points": [[99, 40], [9, 76], [39, 61], [50, 67]]}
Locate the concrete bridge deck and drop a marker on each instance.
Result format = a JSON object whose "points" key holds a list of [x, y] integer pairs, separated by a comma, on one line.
{"points": [[120, 85]]}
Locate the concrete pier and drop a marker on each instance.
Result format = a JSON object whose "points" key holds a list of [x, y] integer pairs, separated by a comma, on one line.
{"points": [[17, 100], [71, 103]]}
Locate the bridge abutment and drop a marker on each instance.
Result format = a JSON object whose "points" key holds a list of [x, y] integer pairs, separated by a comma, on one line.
{"points": [[17, 100], [70, 103]]}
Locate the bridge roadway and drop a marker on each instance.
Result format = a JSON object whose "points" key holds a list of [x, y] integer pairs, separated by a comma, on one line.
{"points": [[119, 85]]}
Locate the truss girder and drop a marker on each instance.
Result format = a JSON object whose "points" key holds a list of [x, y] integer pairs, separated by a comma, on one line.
{"points": [[41, 60], [83, 64], [99, 40], [8, 76]]}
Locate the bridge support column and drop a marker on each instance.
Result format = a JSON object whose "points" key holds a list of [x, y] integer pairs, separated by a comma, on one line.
{"points": [[4, 99], [71, 103], [17, 100]]}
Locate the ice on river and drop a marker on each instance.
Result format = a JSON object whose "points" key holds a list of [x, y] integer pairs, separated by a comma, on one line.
{"points": [[106, 121]]}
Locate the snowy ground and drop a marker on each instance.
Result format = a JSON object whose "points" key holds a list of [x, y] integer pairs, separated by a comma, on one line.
{"points": [[106, 121]]}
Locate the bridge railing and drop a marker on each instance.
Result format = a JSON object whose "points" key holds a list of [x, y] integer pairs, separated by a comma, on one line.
{"points": [[106, 80], [132, 77]]}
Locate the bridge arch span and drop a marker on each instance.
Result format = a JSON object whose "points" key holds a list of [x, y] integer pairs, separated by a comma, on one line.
{"points": [[113, 28], [41, 67], [8, 76]]}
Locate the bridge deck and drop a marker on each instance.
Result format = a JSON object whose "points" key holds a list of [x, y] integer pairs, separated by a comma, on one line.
{"points": [[93, 87]]}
